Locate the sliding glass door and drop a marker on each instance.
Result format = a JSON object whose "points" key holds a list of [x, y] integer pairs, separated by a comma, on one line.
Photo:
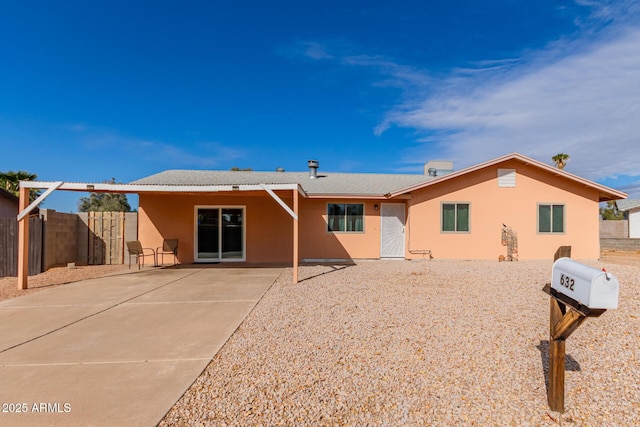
{"points": [[219, 234]]}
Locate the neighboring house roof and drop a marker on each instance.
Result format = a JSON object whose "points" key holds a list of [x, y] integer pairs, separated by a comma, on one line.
{"points": [[628, 204], [8, 195], [354, 184], [9, 204]]}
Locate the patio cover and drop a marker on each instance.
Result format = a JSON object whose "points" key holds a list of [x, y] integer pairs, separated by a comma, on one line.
{"points": [[49, 187]]}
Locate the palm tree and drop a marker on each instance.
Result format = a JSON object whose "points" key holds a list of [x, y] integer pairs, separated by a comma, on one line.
{"points": [[10, 181], [560, 160]]}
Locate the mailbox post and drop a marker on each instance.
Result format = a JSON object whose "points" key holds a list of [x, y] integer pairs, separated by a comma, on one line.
{"points": [[588, 292]]}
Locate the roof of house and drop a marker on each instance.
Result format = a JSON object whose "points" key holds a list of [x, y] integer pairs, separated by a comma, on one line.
{"points": [[328, 184], [628, 204], [353, 184], [8, 195], [362, 184]]}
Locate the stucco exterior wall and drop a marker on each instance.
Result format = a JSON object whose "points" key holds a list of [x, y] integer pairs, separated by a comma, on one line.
{"points": [[268, 227], [492, 206], [318, 243]]}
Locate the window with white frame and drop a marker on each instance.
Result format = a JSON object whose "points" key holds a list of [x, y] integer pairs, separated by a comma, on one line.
{"points": [[550, 218], [455, 217], [345, 217]]}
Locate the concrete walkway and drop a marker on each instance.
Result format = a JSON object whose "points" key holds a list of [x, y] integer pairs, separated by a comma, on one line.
{"points": [[118, 350]]}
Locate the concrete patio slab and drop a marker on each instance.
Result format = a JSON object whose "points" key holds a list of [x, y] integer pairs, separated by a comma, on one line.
{"points": [[137, 332], [247, 288], [110, 289], [21, 324], [70, 359], [102, 394]]}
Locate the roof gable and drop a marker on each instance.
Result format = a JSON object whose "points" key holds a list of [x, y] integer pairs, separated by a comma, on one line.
{"points": [[605, 193]]}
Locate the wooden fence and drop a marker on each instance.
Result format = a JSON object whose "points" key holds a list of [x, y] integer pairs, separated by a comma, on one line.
{"points": [[106, 238], [9, 246]]}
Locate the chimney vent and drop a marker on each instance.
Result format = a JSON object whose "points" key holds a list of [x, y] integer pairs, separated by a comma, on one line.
{"points": [[438, 167], [313, 168]]}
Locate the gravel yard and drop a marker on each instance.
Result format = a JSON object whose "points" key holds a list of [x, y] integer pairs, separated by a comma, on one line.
{"points": [[418, 343]]}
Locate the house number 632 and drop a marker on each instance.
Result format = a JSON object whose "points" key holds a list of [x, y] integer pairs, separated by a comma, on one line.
{"points": [[567, 281]]}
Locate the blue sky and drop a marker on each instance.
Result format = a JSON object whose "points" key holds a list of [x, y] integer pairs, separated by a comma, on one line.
{"points": [[95, 90]]}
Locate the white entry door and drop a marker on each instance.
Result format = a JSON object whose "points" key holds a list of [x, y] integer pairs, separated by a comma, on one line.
{"points": [[392, 230]]}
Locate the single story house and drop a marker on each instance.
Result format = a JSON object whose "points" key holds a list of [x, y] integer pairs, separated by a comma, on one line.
{"points": [[631, 209], [287, 217], [369, 216]]}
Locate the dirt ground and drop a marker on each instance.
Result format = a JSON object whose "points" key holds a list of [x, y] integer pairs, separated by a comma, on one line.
{"points": [[624, 258], [60, 275]]}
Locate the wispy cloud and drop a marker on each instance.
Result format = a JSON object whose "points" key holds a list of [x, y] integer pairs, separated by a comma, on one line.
{"points": [[579, 96], [309, 49], [197, 155], [314, 50], [392, 74], [632, 189], [608, 10]]}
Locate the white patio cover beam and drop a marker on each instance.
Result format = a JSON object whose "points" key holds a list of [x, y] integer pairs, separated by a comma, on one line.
{"points": [[50, 189], [280, 201], [154, 188]]}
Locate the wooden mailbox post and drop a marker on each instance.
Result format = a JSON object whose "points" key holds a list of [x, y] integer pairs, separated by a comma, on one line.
{"points": [[587, 292]]}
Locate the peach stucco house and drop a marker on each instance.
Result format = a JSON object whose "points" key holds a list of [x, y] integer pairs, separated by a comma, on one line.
{"points": [[370, 216], [288, 217]]}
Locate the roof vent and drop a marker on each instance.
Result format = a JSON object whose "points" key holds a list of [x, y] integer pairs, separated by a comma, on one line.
{"points": [[438, 167], [279, 169], [313, 168]]}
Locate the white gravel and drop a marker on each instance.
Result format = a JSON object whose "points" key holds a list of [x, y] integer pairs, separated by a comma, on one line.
{"points": [[446, 343]]}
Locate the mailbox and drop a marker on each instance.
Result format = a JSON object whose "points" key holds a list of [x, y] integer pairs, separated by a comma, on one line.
{"points": [[586, 285]]}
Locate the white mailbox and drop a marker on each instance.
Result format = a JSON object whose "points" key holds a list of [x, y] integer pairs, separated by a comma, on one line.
{"points": [[588, 286]]}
